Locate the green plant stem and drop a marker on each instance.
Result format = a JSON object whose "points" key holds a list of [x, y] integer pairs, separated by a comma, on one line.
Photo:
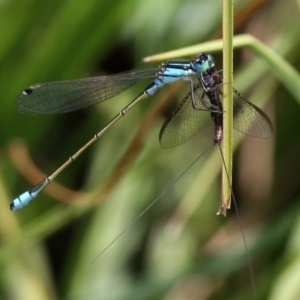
{"points": [[227, 104], [283, 71]]}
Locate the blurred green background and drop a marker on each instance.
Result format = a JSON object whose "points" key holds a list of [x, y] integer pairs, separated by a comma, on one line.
{"points": [[179, 249]]}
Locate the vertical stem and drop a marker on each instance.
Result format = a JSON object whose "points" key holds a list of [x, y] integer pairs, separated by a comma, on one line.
{"points": [[228, 103]]}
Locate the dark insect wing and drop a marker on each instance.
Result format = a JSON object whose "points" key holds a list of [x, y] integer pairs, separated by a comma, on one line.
{"points": [[65, 96], [249, 119], [186, 121]]}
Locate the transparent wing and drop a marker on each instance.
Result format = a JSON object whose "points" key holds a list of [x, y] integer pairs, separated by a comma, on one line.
{"points": [[66, 96], [186, 121], [249, 119]]}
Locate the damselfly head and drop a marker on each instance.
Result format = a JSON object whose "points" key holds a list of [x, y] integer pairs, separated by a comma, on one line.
{"points": [[203, 62]]}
